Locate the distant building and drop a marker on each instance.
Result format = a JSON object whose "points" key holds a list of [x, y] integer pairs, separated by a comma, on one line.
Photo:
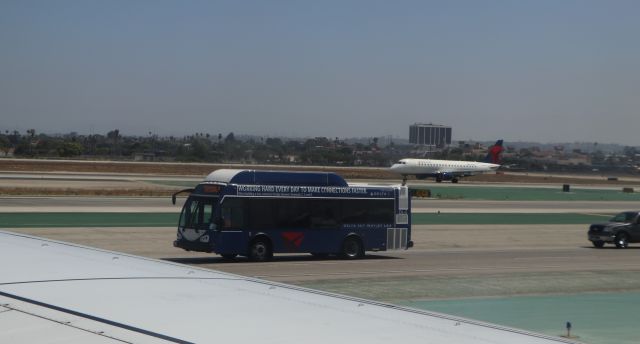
{"points": [[431, 135], [144, 157], [7, 152]]}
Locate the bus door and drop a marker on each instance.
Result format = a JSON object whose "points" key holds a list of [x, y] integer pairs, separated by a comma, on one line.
{"points": [[232, 235]]}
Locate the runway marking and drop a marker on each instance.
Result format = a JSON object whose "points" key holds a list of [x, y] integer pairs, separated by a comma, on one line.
{"points": [[550, 257], [596, 214]]}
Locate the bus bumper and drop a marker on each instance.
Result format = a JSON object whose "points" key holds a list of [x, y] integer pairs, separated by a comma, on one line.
{"points": [[193, 246]]}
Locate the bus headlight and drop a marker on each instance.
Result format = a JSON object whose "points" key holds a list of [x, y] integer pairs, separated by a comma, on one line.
{"points": [[179, 236], [204, 238]]}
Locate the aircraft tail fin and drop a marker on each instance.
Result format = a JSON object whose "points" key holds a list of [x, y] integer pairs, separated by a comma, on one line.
{"points": [[493, 156]]}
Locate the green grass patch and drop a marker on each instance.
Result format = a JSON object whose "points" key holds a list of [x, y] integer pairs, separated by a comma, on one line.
{"points": [[505, 218], [529, 194], [36, 220]]}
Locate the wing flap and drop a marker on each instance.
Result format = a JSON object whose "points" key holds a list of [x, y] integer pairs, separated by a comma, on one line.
{"points": [[22, 322]]}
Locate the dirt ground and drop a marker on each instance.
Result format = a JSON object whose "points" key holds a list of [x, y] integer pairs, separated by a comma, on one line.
{"points": [[181, 169]]}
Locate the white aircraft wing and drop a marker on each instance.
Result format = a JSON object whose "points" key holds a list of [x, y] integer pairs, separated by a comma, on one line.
{"points": [[55, 292]]}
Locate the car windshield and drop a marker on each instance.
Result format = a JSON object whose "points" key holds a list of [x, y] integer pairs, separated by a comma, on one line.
{"points": [[624, 217]]}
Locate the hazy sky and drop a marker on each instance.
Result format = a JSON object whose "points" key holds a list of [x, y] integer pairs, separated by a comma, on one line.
{"points": [[519, 70]]}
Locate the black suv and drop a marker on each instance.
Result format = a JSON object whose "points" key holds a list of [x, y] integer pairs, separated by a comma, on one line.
{"points": [[620, 230]]}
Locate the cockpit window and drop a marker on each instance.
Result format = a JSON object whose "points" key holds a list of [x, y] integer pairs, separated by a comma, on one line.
{"points": [[401, 162], [624, 217]]}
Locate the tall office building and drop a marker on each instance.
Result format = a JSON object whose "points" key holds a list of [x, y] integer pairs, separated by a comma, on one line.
{"points": [[432, 135]]}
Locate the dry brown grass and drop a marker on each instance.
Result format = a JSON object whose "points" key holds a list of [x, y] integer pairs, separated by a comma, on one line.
{"points": [[5, 191], [183, 169]]}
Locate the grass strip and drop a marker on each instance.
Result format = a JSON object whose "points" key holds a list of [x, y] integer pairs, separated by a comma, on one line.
{"points": [[39, 220], [528, 194], [505, 218]]}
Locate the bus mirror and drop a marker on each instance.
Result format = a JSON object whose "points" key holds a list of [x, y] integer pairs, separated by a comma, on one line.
{"points": [[173, 197]]}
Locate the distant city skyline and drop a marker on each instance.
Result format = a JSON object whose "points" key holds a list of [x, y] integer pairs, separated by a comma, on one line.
{"points": [[539, 71]]}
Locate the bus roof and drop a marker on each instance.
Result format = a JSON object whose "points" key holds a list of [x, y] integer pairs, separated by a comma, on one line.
{"points": [[253, 177]]}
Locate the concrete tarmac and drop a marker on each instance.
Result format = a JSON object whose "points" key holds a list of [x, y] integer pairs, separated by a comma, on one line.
{"points": [[477, 254]]}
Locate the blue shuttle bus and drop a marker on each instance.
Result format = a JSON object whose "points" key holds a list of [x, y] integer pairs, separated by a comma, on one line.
{"points": [[259, 213]]}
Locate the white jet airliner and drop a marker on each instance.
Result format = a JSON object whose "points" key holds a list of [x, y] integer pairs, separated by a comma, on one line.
{"points": [[451, 170]]}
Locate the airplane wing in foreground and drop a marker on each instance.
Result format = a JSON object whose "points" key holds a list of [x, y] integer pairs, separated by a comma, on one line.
{"points": [[55, 292]]}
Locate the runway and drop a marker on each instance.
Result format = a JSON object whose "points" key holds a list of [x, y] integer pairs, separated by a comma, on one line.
{"points": [[554, 258], [163, 204]]}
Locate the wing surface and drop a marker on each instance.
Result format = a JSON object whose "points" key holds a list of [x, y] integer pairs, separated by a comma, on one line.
{"points": [[55, 292]]}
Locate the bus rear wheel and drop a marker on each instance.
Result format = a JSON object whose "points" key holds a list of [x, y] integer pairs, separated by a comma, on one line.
{"points": [[352, 248], [260, 250]]}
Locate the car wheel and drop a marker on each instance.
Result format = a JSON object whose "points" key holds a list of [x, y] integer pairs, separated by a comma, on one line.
{"points": [[598, 244], [622, 240], [260, 250], [352, 248]]}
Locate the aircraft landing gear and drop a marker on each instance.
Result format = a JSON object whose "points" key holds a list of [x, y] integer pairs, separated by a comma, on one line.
{"points": [[404, 179]]}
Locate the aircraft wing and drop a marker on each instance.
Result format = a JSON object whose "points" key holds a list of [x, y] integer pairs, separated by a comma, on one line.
{"points": [[55, 292]]}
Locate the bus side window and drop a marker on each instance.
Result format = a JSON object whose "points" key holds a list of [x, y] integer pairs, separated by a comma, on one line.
{"points": [[380, 211], [354, 211], [324, 213], [374, 211], [292, 213], [233, 213], [261, 213]]}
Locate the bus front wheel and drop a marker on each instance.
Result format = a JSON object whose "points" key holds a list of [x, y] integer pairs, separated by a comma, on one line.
{"points": [[260, 250], [352, 248]]}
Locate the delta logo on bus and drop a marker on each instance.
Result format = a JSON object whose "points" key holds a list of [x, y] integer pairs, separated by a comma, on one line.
{"points": [[292, 240]]}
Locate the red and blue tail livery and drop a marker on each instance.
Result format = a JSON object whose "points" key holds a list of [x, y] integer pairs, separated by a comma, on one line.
{"points": [[493, 156]]}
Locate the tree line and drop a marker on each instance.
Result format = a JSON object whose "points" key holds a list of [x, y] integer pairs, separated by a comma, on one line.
{"points": [[198, 147], [230, 148]]}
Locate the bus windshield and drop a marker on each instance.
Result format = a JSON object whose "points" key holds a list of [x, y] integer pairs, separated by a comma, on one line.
{"points": [[198, 212]]}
